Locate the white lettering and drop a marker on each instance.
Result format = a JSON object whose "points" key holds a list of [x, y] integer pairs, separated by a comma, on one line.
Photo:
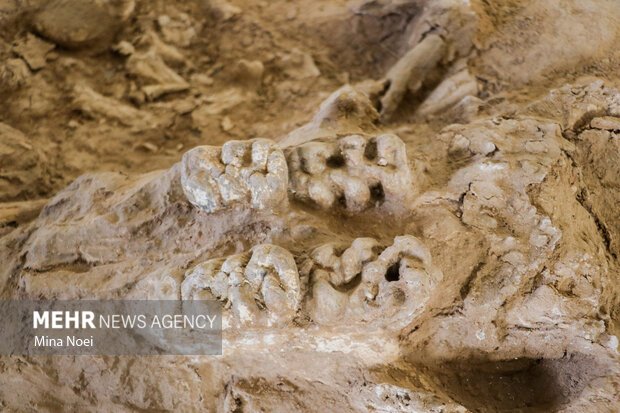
{"points": [[57, 319], [75, 319], [79, 342], [87, 319], [45, 341], [41, 318]]}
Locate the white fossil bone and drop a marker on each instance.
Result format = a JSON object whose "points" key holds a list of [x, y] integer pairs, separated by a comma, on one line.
{"points": [[410, 71]]}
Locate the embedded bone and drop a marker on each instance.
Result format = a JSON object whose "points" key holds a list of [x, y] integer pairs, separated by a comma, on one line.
{"points": [[450, 92], [410, 71], [151, 67]]}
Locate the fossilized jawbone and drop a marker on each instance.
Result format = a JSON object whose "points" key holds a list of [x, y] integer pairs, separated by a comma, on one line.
{"points": [[335, 284]]}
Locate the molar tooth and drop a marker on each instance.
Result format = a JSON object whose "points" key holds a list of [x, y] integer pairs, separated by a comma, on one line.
{"points": [[380, 293], [261, 284], [216, 178], [260, 153], [350, 169]]}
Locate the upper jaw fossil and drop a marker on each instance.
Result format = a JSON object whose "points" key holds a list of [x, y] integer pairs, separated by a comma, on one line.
{"points": [[356, 171]]}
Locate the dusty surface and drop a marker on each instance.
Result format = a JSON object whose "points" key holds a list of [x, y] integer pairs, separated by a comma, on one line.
{"points": [[404, 206]]}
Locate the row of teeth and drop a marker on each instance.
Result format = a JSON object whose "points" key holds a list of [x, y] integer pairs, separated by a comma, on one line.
{"points": [[355, 172], [268, 285]]}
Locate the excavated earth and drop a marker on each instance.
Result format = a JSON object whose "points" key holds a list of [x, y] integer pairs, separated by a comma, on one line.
{"points": [[403, 205]]}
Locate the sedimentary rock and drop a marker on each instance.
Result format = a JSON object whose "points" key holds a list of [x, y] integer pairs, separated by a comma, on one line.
{"points": [[79, 23], [22, 166], [347, 111]]}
